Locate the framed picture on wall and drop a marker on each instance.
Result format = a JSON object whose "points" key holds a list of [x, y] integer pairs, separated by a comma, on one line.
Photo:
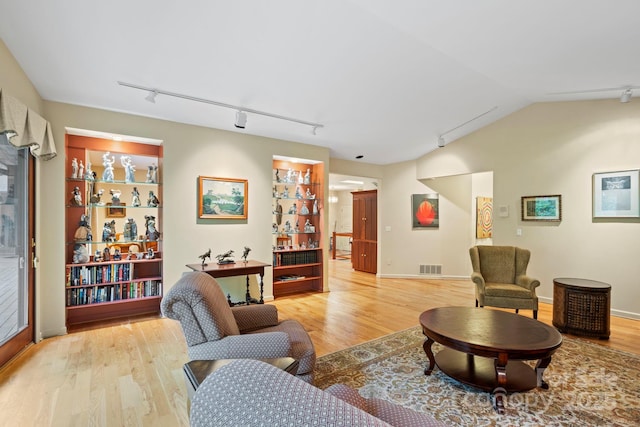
{"points": [[484, 217], [616, 194], [542, 208], [116, 211], [222, 198], [425, 212]]}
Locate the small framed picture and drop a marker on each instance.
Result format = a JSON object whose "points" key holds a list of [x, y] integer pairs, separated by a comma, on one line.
{"points": [[425, 212], [616, 194], [116, 211], [222, 198], [542, 208]]}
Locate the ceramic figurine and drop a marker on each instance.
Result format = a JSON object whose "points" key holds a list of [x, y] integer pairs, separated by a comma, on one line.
{"points": [[95, 199], [245, 253], [129, 169], [304, 210], [315, 207], [130, 230], [76, 200], [153, 201], [80, 254], [107, 174], [151, 232], [74, 168], [135, 197], [80, 170], [89, 174], [293, 209], [307, 177]]}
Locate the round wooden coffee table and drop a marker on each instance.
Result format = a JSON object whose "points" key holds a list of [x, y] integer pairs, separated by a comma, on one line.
{"points": [[485, 348]]}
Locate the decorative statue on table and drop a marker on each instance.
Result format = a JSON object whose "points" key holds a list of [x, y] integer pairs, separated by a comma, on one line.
{"points": [[225, 258], [205, 256], [245, 254]]}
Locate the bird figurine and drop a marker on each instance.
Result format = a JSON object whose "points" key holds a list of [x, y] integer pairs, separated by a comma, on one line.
{"points": [[205, 256], [245, 254]]}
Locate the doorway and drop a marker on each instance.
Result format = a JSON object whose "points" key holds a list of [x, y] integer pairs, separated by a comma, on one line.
{"points": [[16, 233]]}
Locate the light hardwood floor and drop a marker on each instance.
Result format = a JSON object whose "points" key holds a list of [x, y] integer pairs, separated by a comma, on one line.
{"points": [[130, 373]]}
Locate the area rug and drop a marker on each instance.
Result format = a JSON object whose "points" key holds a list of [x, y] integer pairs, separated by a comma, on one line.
{"points": [[589, 385]]}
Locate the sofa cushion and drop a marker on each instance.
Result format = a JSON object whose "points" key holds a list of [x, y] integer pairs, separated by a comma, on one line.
{"points": [[506, 290]]}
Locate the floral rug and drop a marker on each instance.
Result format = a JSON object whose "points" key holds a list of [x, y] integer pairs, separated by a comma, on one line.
{"points": [[588, 384]]}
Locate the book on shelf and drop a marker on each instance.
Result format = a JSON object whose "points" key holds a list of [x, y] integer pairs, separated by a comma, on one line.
{"points": [[288, 277]]}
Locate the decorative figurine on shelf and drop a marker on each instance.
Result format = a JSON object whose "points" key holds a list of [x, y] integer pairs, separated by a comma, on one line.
{"points": [[310, 196], [129, 169], [307, 226], [278, 212], [287, 227], [76, 200], [290, 176], [153, 201], [106, 255], [95, 199], [274, 227], [80, 253], [225, 258], [115, 196], [97, 256], [245, 253], [297, 229], [130, 230], [150, 223], [298, 193], [109, 231], [307, 177], [88, 173], [315, 207], [205, 256], [150, 254], [304, 210], [152, 174], [300, 178], [285, 192], [275, 192], [277, 175], [293, 209], [135, 197], [80, 170], [74, 168], [83, 232], [117, 255], [107, 174]]}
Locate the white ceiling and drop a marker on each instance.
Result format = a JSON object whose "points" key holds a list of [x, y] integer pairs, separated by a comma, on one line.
{"points": [[385, 78]]}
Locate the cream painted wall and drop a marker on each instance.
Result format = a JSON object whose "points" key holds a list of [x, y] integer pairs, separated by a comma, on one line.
{"points": [[189, 151], [554, 148]]}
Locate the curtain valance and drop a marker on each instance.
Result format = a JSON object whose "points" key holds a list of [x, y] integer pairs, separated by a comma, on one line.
{"points": [[24, 127]]}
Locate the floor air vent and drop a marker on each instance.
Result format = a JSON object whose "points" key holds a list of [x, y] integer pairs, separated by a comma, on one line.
{"points": [[432, 269]]}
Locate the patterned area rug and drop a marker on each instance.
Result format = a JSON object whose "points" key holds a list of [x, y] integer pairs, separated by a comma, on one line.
{"points": [[588, 384]]}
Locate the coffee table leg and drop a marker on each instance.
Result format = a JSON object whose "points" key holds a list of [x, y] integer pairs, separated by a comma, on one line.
{"points": [[501, 373], [540, 367], [432, 360]]}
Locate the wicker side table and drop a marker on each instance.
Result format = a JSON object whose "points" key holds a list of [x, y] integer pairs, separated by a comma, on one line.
{"points": [[582, 307]]}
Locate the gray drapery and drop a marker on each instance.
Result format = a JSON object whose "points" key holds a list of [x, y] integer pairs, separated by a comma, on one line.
{"points": [[23, 127]]}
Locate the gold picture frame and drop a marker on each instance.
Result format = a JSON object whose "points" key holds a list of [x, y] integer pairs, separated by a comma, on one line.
{"points": [[222, 198], [116, 211]]}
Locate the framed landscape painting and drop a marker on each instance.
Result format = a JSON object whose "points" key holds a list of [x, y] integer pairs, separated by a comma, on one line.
{"points": [[542, 208], [222, 198], [615, 194]]}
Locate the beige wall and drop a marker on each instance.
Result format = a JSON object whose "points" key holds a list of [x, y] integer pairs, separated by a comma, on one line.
{"points": [[554, 148]]}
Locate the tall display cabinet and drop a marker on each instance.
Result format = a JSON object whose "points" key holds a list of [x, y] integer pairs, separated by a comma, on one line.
{"points": [[113, 239], [297, 229]]}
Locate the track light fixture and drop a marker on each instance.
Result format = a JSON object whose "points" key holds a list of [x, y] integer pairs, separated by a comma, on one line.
{"points": [[241, 111], [441, 142], [151, 97], [241, 119], [626, 96]]}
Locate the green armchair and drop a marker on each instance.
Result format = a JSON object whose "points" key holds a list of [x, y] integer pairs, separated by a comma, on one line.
{"points": [[499, 273]]}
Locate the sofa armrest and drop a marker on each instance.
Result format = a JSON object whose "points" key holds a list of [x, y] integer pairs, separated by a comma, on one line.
{"points": [[266, 345], [527, 282], [478, 280], [250, 393], [257, 316]]}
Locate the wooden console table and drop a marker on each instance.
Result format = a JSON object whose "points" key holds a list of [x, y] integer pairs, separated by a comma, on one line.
{"points": [[239, 268], [582, 307]]}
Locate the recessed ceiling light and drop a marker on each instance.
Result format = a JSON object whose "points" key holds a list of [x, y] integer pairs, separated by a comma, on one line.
{"points": [[359, 156]]}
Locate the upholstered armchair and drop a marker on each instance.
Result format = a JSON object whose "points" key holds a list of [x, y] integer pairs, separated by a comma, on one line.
{"points": [[213, 330], [499, 273]]}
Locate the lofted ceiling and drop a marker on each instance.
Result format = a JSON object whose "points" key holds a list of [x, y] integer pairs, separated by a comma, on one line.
{"points": [[385, 78]]}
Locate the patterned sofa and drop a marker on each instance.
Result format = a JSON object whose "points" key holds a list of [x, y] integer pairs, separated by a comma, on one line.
{"points": [[251, 393]]}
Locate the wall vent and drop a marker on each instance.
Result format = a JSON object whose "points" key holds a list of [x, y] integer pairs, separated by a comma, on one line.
{"points": [[431, 269]]}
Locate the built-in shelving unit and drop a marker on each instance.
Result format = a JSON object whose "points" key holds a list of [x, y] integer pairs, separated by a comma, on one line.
{"points": [[113, 239], [297, 208]]}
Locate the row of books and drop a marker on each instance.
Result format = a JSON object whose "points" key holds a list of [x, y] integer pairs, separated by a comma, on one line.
{"points": [[288, 277], [108, 293], [97, 274], [294, 258]]}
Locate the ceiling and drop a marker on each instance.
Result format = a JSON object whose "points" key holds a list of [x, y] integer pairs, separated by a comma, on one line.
{"points": [[385, 78]]}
